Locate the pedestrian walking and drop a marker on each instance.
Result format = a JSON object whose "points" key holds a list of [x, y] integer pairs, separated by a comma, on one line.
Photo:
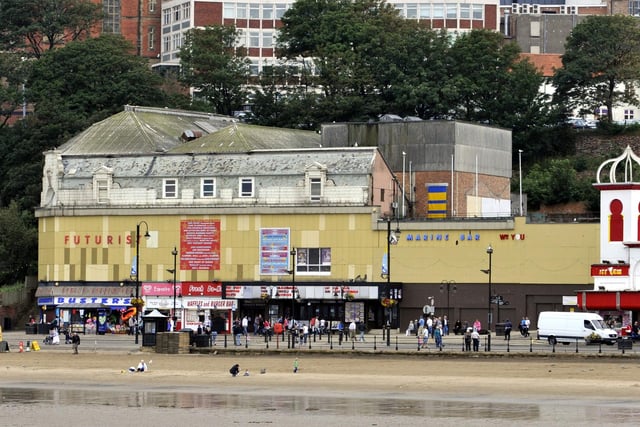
{"points": [[475, 337], [75, 342], [507, 329]]}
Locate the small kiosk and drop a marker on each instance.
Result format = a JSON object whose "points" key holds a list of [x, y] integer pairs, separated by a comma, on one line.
{"points": [[152, 323]]}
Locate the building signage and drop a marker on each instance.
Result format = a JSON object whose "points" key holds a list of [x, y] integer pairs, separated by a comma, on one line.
{"points": [[210, 289], [200, 245], [119, 301], [274, 251], [210, 303], [97, 239], [604, 270], [160, 288]]}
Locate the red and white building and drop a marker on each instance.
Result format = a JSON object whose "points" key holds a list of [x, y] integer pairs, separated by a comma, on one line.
{"points": [[616, 277]]}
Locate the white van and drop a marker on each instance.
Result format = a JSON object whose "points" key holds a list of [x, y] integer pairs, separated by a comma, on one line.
{"points": [[566, 327]]}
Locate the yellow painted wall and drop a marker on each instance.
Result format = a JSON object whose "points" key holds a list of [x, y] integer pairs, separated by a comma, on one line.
{"points": [[548, 254]]}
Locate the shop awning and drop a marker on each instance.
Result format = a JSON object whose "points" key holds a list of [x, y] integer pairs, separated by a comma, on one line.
{"points": [[84, 306], [609, 300]]}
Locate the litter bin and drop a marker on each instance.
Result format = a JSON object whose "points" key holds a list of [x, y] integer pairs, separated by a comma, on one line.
{"points": [[499, 329], [31, 329], [202, 340]]}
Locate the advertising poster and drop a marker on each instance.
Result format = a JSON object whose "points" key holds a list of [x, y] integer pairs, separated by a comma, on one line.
{"points": [[200, 245]]}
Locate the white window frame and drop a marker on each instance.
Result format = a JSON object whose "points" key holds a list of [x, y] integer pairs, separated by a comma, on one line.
{"points": [[186, 11], [152, 5], [205, 191], [170, 188], [152, 38], [315, 189], [167, 16], [242, 181]]}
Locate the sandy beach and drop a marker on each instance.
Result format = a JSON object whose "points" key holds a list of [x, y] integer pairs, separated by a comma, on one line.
{"points": [[460, 382]]}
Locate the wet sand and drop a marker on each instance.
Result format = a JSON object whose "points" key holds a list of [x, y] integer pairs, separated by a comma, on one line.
{"points": [[369, 377]]}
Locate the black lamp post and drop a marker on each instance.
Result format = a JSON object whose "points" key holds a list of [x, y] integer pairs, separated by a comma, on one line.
{"points": [[488, 271], [293, 282], [392, 239], [174, 252], [450, 286], [146, 235]]}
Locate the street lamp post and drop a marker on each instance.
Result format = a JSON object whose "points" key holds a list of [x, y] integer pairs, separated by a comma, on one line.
{"points": [[520, 173], [488, 271], [146, 235], [174, 252], [448, 284], [293, 294]]}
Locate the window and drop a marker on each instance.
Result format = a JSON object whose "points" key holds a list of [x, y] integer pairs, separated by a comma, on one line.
{"points": [[315, 185], [152, 37], [267, 39], [170, 188], [438, 11], [186, 11], [412, 10], [628, 114], [246, 187], [267, 11], [425, 11], [241, 11], [254, 68], [102, 187], [477, 11], [452, 11], [208, 188], [281, 8], [229, 11], [176, 13], [177, 41], [254, 39], [465, 11], [313, 260], [152, 5], [254, 11], [167, 43], [111, 20], [167, 16]]}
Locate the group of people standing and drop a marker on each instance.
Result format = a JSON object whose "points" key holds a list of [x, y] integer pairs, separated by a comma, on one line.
{"points": [[431, 327]]}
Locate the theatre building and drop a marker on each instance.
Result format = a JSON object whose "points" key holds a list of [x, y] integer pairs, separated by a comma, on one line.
{"points": [[210, 220]]}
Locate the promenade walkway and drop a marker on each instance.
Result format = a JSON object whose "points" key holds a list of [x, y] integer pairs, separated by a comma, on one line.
{"points": [[375, 343]]}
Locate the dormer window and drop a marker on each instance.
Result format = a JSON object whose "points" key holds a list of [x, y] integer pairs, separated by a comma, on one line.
{"points": [[102, 182], [315, 178]]}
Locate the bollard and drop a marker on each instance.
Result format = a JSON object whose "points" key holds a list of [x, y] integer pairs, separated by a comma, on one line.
{"points": [[29, 346], [388, 335], [553, 346], [246, 341], [310, 342], [374, 343], [225, 341], [600, 348], [330, 338], [396, 343], [463, 344], [266, 340], [353, 344], [488, 340], [576, 345], [531, 346]]}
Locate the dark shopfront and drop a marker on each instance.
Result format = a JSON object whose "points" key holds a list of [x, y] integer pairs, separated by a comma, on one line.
{"points": [[329, 301]]}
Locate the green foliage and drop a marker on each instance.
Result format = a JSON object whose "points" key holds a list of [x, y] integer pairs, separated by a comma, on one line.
{"points": [[556, 181], [601, 63], [13, 71], [35, 26], [87, 81], [215, 66], [18, 245]]}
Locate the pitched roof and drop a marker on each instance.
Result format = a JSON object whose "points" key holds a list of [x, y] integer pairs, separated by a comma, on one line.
{"points": [[146, 130], [242, 138]]}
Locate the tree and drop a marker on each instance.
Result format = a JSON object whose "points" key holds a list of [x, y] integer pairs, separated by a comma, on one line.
{"points": [[214, 65], [359, 48], [13, 72], [601, 65], [493, 83], [18, 245], [86, 81], [35, 26]]}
